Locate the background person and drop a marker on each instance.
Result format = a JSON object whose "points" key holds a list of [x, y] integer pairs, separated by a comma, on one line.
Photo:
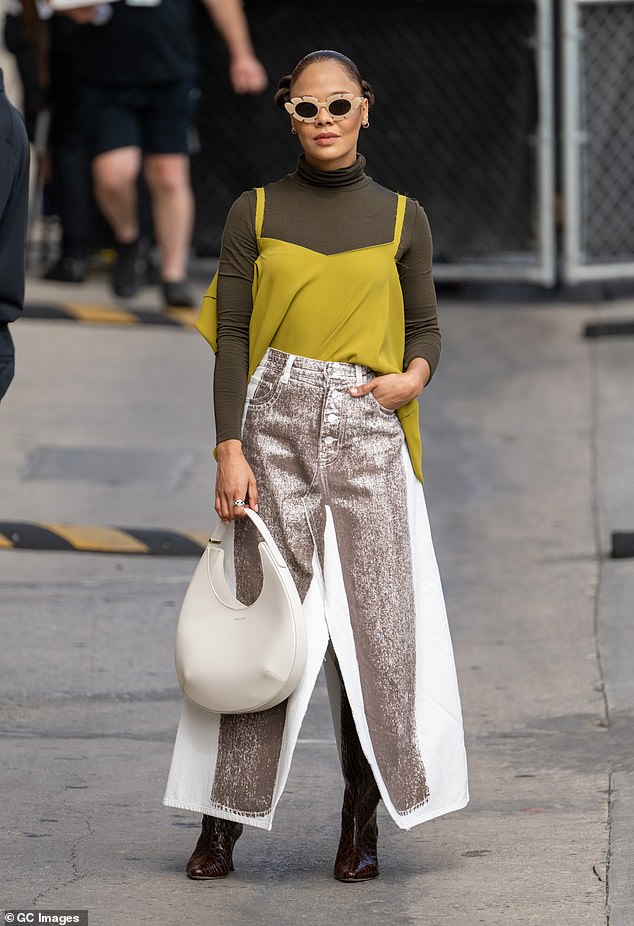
{"points": [[137, 72], [327, 333], [26, 38], [14, 200], [70, 187]]}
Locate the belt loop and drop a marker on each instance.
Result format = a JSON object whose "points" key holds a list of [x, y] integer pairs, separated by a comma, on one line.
{"points": [[358, 369], [286, 375]]}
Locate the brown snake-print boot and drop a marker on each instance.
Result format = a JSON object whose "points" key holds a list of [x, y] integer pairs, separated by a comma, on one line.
{"points": [[212, 857], [357, 853]]}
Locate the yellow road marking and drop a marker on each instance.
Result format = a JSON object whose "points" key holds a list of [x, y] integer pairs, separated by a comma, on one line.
{"points": [[183, 315], [202, 539], [94, 537], [98, 314]]}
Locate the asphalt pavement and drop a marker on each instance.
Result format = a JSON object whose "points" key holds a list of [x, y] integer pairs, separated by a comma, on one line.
{"points": [[529, 454]]}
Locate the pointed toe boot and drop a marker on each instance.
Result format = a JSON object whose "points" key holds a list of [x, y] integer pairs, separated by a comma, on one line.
{"points": [[213, 855], [357, 858]]}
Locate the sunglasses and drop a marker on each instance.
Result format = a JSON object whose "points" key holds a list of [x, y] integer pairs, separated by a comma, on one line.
{"points": [[339, 105]]}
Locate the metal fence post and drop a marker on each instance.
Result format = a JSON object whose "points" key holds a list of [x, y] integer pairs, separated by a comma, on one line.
{"points": [[598, 128]]}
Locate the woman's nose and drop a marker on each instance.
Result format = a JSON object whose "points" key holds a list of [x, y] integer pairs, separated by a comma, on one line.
{"points": [[323, 115]]}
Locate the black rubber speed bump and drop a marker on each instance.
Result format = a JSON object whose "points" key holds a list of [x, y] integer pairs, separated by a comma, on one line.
{"points": [[96, 538], [622, 544], [609, 329], [95, 314]]}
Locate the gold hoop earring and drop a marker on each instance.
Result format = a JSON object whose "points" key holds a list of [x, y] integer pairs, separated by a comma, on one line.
{"points": [[293, 130]]}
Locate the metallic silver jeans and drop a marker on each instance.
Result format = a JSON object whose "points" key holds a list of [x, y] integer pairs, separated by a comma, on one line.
{"points": [[313, 447]]}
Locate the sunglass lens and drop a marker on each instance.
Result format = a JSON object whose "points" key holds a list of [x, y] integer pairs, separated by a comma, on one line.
{"points": [[306, 110], [339, 107]]}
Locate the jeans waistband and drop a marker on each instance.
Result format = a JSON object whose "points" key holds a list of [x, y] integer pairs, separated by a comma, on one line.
{"points": [[307, 369]]}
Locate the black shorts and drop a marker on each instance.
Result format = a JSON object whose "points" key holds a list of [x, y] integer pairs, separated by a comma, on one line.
{"points": [[157, 118]]}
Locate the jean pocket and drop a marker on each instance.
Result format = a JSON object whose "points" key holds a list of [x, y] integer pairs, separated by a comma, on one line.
{"points": [[384, 411], [263, 390]]}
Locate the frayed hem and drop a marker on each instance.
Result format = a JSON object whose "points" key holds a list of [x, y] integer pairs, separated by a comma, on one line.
{"points": [[405, 821], [260, 821]]}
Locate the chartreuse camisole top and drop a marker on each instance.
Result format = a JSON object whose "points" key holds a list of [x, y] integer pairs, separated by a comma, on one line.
{"points": [[345, 307]]}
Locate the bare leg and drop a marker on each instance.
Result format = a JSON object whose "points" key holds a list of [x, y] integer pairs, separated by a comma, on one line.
{"points": [[167, 177], [115, 175]]}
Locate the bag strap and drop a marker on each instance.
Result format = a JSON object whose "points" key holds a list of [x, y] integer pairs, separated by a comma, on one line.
{"points": [[398, 223], [259, 211], [219, 534]]}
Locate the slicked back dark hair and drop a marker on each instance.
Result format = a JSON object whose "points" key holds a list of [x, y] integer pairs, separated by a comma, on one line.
{"points": [[283, 93]]}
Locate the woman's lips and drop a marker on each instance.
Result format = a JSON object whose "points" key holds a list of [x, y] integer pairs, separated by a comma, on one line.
{"points": [[326, 139]]}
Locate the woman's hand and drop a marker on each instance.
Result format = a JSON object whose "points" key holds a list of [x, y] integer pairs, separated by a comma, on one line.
{"points": [[393, 390], [234, 480]]}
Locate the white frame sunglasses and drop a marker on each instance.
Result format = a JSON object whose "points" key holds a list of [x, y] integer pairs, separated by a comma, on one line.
{"points": [[329, 103]]}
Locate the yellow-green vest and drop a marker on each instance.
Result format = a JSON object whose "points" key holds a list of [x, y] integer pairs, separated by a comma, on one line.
{"points": [[345, 307]]}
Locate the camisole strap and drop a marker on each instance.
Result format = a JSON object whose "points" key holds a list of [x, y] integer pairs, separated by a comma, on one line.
{"points": [[259, 210], [400, 218]]}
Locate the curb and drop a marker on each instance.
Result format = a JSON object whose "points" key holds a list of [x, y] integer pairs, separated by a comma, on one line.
{"points": [[105, 314], [94, 538]]}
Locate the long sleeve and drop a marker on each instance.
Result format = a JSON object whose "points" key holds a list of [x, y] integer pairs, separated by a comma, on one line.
{"points": [[14, 179], [322, 217], [235, 278], [422, 334]]}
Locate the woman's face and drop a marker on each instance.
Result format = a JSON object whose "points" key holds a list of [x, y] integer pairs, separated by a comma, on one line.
{"points": [[328, 143]]}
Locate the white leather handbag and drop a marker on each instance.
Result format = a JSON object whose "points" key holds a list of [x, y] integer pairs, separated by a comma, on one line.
{"points": [[232, 658]]}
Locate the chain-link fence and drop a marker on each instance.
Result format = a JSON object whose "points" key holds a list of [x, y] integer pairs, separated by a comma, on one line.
{"points": [[598, 90], [458, 123], [464, 121]]}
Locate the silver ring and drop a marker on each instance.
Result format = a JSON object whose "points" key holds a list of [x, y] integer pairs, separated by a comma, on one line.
{"points": [[238, 503]]}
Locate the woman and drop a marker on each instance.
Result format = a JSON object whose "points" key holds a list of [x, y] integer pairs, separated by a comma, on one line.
{"points": [[326, 335]]}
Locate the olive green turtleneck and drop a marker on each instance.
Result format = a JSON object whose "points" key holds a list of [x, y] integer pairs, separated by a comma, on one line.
{"points": [[329, 212]]}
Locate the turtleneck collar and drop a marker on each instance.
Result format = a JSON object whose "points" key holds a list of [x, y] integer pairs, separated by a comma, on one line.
{"points": [[344, 178]]}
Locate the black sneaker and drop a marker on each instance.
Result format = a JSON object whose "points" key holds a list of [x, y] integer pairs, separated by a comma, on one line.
{"points": [[178, 295], [129, 271], [67, 270]]}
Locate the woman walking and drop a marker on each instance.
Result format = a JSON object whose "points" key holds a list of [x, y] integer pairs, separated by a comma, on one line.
{"points": [[324, 321]]}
